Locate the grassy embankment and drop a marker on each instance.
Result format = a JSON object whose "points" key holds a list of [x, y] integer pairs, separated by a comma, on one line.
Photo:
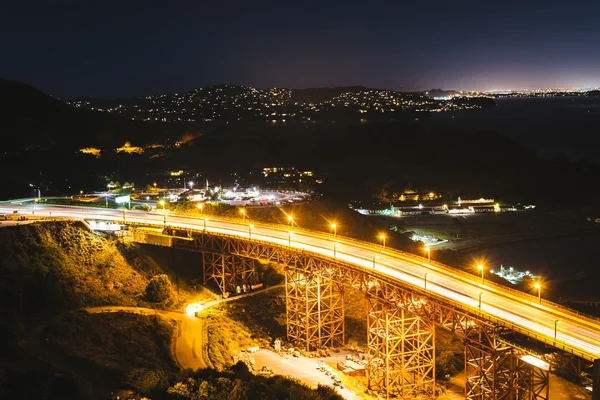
{"points": [[50, 270]]}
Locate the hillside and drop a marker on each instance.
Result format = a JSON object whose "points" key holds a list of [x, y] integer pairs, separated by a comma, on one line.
{"points": [[318, 95], [30, 119], [50, 270], [59, 266]]}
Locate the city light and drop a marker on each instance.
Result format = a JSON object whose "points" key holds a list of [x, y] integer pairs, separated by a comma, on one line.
{"points": [[482, 269], [539, 288]]}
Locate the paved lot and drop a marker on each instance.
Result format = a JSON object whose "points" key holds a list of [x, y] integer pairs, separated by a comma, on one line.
{"points": [[301, 368]]}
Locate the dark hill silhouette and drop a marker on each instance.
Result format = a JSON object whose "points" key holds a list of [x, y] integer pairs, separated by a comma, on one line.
{"points": [[31, 119], [317, 95]]}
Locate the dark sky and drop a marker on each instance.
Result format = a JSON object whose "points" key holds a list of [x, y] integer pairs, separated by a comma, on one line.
{"points": [[117, 49]]}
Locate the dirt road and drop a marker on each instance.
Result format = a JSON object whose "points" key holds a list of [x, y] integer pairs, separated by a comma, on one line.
{"points": [[188, 337]]}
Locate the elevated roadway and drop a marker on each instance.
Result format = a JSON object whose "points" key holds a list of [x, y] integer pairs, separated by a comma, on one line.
{"points": [[548, 322]]}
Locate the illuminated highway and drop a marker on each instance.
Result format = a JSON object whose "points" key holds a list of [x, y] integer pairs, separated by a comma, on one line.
{"points": [[576, 333]]}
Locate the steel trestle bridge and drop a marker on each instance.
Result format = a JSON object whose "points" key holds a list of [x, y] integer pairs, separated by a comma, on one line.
{"points": [[407, 296]]}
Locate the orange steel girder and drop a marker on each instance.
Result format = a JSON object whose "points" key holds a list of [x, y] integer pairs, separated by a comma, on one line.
{"points": [[401, 348], [314, 310], [493, 381], [228, 271], [495, 371]]}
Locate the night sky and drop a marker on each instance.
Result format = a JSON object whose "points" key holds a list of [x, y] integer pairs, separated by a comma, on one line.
{"points": [[127, 48]]}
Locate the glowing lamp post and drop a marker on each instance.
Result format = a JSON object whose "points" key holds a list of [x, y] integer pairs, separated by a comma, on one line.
{"points": [[428, 251], [290, 239], [205, 221], [480, 267], [374, 258], [162, 203], [480, 294], [425, 281], [335, 245], [539, 288], [555, 329], [334, 227], [243, 211], [382, 237], [200, 207], [291, 220], [250, 227]]}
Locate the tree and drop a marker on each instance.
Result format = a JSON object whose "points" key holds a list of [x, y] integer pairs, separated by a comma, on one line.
{"points": [[145, 380], [159, 289], [240, 370]]}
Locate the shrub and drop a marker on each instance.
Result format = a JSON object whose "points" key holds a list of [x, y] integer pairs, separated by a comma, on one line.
{"points": [[145, 381], [159, 289]]}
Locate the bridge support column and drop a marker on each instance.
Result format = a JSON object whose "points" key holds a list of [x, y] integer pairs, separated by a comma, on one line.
{"points": [[501, 374], [314, 310], [401, 348], [228, 271]]}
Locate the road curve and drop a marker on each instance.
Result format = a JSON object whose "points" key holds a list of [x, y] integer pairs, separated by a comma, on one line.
{"points": [[574, 332], [189, 334]]}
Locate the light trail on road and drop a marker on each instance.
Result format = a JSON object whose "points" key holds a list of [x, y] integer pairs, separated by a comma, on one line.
{"points": [[575, 333]]}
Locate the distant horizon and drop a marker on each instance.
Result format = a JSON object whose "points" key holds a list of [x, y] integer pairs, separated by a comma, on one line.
{"points": [[520, 90]]}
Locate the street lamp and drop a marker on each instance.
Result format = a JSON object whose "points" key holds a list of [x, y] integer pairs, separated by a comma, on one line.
{"points": [[374, 258], [335, 245], [162, 203], [250, 227], [200, 207], [425, 281], [243, 211], [539, 288], [334, 227], [555, 329], [205, 221], [428, 251], [480, 267], [480, 294], [290, 239], [191, 185], [291, 219], [382, 237]]}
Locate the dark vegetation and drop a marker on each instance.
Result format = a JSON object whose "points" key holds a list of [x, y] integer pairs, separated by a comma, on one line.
{"points": [[31, 119], [232, 383], [115, 342], [251, 321], [52, 267], [50, 270]]}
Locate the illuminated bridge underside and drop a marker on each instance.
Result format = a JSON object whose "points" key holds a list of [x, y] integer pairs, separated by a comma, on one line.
{"points": [[314, 309], [496, 371], [403, 351], [400, 322]]}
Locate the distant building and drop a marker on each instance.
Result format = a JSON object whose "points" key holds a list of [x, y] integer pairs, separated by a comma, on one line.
{"points": [[287, 175], [412, 195]]}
